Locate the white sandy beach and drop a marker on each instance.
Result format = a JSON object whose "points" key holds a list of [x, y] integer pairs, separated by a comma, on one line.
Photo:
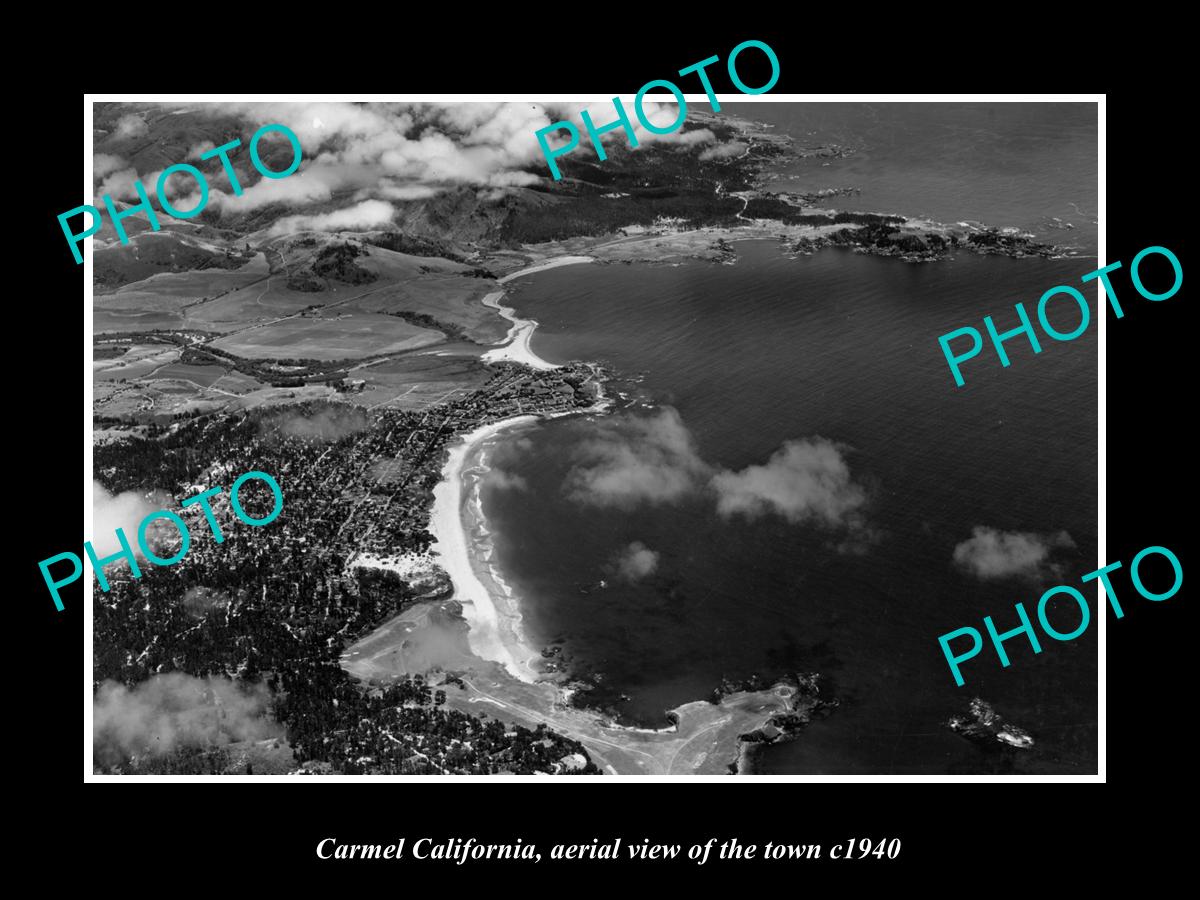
{"points": [[523, 693], [495, 621], [542, 267], [489, 606], [516, 347]]}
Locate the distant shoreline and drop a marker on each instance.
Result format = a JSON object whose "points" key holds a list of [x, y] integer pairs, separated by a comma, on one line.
{"points": [[518, 349]]}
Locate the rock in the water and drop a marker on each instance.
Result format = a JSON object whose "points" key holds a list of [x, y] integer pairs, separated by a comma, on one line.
{"points": [[984, 725]]}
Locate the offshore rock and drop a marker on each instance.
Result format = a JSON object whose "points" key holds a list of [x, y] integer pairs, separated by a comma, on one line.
{"points": [[985, 726]]}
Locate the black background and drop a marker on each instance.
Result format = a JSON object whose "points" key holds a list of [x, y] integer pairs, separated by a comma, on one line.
{"points": [[958, 834]]}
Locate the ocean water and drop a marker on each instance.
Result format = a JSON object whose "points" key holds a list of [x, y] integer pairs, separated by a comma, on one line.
{"points": [[609, 530], [1021, 165]]}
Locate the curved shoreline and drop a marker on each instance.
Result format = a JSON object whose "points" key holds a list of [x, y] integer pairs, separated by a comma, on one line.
{"points": [[703, 737], [492, 614], [517, 342], [491, 610]]}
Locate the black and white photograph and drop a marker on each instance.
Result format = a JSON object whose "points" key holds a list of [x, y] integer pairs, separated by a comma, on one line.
{"points": [[624, 438]]}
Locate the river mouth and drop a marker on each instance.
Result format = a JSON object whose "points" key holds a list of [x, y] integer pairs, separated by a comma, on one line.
{"points": [[705, 739]]}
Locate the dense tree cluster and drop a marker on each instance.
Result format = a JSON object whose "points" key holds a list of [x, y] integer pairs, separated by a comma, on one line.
{"points": [[285, 372], [333, 262], [279, 604], [879, 234], [780, 210], [414, 245], [186, 760], [452, 330], [637, 188], [994, 240]]}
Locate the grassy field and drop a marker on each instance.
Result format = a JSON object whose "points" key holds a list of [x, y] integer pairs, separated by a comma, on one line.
{"points": [[415, 380], [348, 336], [138, 362], [173, 290], [161, 300], [117, 321], [258, 292], [258, 316], [205, 376], [153, 255], [443, 292], [148, 381]]}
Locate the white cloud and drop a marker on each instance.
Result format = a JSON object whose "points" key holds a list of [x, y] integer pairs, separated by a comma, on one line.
{"points": [[174, 710], [301, 188], [200, 148], [723, 151], [653, 459], [628, 461], [106, 163], [363, 217], [498, 478], [119, 184], [385, 151], [635, 562], [401, 191], [428, 144], [661, 115], [804, 480], [436, 144], [990, 553], [512, 179], [130, 126], [125, 511], [687, 138]]}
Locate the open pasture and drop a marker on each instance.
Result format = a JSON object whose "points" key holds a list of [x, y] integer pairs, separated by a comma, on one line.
{"points": [[138, 362], [171, 273], [205, 376], [263, 301], [415, 380], [117, 321], [348, 336], [438, 288]]}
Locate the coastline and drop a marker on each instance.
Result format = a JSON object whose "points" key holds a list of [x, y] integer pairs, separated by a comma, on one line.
{"points": [[457, 522], [493, 615], [516, 344], [503, 675]]}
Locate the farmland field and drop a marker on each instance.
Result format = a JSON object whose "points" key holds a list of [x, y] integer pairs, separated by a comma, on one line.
{"points": [[205, 376], [414, 380], [113, 321], [183, 287], [352, 336], [138, 362]]}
